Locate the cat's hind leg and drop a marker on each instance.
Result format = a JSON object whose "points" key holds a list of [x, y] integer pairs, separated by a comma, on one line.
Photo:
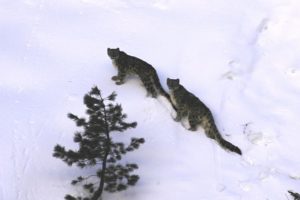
{"points": [[193, 121], [151, 91]]}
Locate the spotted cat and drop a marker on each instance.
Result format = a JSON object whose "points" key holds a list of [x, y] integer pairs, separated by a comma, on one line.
{"points": [[188, 105], [128, 65]]}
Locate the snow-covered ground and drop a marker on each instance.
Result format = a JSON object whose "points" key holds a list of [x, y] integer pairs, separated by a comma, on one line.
{"points": [[242, 58]]}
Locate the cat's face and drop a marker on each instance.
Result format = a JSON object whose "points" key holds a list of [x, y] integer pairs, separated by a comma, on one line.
{"points": [[113, 53], [172, 83]]}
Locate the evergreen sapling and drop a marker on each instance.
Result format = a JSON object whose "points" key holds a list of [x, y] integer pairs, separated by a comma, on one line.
{"points": [[295, 195], [97, 148]]}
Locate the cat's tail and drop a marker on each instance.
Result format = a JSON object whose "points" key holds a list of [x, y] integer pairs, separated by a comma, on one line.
{"points": [[227, 145], [213, 133], [162, 92]]}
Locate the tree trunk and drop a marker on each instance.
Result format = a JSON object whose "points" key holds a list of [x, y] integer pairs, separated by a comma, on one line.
{"points": [[99, 191]]}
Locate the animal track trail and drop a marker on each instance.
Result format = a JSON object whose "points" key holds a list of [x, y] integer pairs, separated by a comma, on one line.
{"points": [[35, 24], [26, 137], [246, 64], [261, 28], [1, 192], [255, 44], [16, 157]]}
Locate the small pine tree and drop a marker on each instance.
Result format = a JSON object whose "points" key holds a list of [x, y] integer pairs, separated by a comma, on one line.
{"points": [[295, 195], [97, 148]]}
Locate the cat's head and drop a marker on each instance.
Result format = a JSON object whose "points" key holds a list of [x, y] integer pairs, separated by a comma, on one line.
{"points": [[113, 53], [173, 83]]}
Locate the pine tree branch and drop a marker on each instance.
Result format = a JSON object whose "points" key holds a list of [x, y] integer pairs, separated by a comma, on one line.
{"points": [[295, 195]]}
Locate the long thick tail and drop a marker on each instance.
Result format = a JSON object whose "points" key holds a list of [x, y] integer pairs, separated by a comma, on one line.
{"points": [[162, 92], [213, 133], [227, 145]]}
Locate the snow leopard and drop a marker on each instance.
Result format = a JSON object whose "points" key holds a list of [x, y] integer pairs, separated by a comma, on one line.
{"points": [[130, 65], [197, 113]]}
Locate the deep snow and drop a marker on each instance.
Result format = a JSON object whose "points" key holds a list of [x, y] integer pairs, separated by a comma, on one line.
{"points": [[239, 57]]}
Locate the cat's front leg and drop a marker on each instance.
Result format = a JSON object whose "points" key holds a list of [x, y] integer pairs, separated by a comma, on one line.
{"points": [[193, 121], [178, 116], [119, 79], [181, 113]]}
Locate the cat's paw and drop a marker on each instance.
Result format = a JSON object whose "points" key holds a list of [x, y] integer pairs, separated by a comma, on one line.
{"points": [[192, 129], [115, 78], [153, 95], [173, 112], [148, 94], [119, 82], [177, 119]]}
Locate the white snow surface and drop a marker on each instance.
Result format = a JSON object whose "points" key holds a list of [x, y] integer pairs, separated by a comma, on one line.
{"points": [[241, 58]]}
